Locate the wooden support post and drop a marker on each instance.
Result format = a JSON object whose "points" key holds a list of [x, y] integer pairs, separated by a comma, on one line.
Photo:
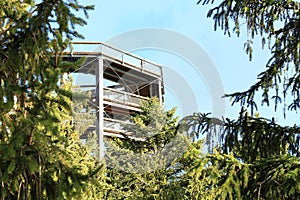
{"points": [[160, 92], [99, 103]]}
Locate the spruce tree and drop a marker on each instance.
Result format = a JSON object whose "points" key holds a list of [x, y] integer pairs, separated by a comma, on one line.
{"points": [[41, 157], [257, 158], [143, 164]]}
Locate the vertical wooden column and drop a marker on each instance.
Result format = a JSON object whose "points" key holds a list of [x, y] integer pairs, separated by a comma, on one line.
{"points": [[99, 103], [159, 91], [160, 86]]}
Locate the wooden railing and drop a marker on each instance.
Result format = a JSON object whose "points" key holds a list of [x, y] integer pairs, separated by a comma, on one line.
{"points": [[123, 97], [118, 55], [117, 96]]}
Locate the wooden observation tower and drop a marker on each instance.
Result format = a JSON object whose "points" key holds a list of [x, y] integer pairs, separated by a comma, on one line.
{"points": [[115, 82]]}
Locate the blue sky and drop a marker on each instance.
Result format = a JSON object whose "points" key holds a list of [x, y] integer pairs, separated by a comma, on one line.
{"points": [[111, 18]]}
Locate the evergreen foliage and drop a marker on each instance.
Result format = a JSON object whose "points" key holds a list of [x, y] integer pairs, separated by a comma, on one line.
{"points": [[41, 157], [147, 168], [278, 24], [257, 158], [160, 158]]}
